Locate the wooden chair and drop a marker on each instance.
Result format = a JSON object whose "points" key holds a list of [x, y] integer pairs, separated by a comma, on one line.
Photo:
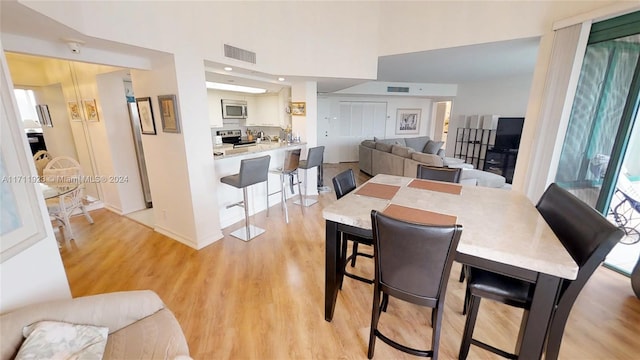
{"points": [[413, 263], [586, 235], [344, 183]]}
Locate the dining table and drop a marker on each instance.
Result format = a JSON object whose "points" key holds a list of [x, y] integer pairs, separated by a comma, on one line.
{"points": [[502, 232], [52, 192]]}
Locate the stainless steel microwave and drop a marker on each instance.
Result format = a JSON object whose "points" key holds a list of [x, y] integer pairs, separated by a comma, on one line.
{"points": [[234, 109]]}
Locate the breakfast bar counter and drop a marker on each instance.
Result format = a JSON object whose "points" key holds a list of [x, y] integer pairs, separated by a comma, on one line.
{"points": [[225, 151], [229, 164]]}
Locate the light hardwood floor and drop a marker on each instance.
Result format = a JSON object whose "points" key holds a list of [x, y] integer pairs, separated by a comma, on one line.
{"points": [[264, 299]]}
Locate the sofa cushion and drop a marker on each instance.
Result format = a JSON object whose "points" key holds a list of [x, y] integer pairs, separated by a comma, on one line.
{"points": [[369, 143], [383, 146], [427, 159], [61, 340], [158, 336], [432, 147], [403, 151], [417, 143], [395, 141]]}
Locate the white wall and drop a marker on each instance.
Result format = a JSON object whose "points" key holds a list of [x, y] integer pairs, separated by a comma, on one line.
{"points": [[58, 138], [506, 97], [117, 156]]}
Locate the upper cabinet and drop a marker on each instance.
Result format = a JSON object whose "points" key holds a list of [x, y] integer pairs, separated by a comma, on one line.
{"points": [[270, 110], [262, 110], [215, 108]]}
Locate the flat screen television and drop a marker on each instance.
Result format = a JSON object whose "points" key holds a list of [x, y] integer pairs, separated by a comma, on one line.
{"points": [[508, 133]]}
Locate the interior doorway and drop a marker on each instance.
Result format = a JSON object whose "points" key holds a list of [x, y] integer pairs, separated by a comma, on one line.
{"points": [[441, 116]]}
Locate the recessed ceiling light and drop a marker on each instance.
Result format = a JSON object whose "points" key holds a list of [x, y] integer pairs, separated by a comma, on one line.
{"points": [[228, 68], [280, 79], [230, 87]]}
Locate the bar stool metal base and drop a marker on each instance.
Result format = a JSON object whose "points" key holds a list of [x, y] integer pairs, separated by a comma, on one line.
{"points": [[306, 202], [241, 233]]}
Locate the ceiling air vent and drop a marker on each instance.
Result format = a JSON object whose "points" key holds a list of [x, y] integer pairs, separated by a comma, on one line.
{"points": [[397, 89], [239, 54]]}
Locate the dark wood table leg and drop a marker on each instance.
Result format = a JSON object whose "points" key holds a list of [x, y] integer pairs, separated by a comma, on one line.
{"points": [[535, 322], [332, 270]]}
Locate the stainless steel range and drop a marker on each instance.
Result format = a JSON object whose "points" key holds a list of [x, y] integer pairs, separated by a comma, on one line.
{"points": [[234, 137]]}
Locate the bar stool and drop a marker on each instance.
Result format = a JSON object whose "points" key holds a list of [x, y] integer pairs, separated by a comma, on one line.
{"points": [[252, 171], [314, 159], [288, 170]]}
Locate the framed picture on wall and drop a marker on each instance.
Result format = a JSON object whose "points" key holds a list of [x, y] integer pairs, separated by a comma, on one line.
{"points": [[43, 115], [145, 113], [299, 108], [90, 109], [74, 111], [169, 113], [408, 121]]}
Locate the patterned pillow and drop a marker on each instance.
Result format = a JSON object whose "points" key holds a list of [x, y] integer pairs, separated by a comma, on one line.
{"points": [[60, 340]]}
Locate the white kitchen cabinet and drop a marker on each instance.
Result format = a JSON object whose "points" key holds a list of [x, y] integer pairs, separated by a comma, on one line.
{"points": [[264, 111], [215, 108], [270, 110]]}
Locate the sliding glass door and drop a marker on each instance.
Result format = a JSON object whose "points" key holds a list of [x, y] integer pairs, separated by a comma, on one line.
{"points": [[600, 152]]}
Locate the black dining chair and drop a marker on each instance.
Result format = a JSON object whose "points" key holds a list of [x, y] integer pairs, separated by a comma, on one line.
{"points": [[344, 183], [412, 263], [588, 237], [439, 173]]}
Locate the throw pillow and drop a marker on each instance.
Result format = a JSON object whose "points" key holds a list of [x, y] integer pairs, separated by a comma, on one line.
{"points": [[369, 143], [402, 151], [417, 143], [383, 147], [432, 147], [395, 141], [60, 340]]}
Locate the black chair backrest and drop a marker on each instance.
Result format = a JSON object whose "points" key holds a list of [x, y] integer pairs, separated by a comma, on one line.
{"points": [[588, 237], [344, 183], [291, 160], [413, 261], [314, 158], [439, 173], [253, 171]]}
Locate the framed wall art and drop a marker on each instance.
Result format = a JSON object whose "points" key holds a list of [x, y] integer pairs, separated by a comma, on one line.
{"points": [[74, 111], [299, 108], [408, 121], [90, 109], [43, 115], [145, 112], [169, 113]]}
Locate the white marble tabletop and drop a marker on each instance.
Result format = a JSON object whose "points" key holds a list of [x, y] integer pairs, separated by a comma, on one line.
{"points": [[498, 225]]}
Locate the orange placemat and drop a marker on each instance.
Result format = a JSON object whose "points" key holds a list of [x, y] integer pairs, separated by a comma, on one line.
{"points": [[419, 216], [381, 191], [450, 188]]}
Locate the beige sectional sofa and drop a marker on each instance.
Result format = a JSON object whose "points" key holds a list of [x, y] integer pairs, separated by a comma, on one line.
{"points": [[401, 156], [139, 325]]}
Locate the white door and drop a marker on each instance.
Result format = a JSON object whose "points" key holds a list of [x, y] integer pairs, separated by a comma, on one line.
{"points": [[324, 130], [342, 125]]}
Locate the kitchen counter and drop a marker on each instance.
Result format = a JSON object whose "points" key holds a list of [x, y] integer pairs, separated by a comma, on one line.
{"points": [[229, 164], [228, 151]]}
